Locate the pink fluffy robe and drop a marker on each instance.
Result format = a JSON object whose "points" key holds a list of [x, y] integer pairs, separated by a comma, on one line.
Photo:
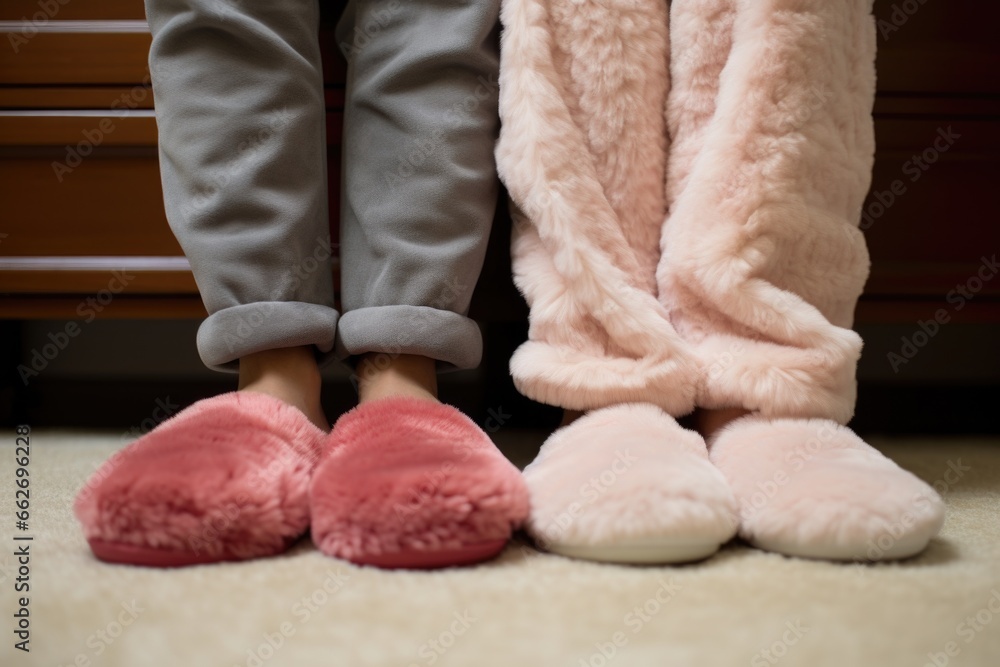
{"points": [[686, 191], [686, 181], [225, 479], [411, 483]]}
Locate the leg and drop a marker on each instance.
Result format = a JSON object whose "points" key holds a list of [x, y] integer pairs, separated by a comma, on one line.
{"points": [[405, 303], [239, 104], [763, 263], [420, 184], [240, 111], [771, 157], [289, 374], [382, 375], [582, 151], [410, 482], [243, 162]]}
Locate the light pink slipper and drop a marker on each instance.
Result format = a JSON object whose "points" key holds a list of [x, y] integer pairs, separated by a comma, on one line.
{"points": [[628, 484], [410, 483], [225, 479], [812, 488]]}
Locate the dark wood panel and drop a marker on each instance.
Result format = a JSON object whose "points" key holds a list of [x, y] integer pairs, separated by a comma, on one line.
{"points": [[952, 134], [113, 281], [98, 97], [933, 198], [911, 278], [938, 47], [107, 205], [83, 130], [105, 97], [40, 12], [88, 129], [120, 275], [913, 106], [99, 56], [897, 311], [102, 53], [56, 307]]}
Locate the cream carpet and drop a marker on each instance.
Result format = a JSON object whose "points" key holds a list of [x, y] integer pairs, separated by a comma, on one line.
{"points": [[742, 607]]}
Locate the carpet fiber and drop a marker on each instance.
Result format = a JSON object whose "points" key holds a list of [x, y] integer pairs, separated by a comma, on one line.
{"points": [[741, 607]]}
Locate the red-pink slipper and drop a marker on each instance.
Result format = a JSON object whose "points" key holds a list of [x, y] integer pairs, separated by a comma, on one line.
{"points": [[411, 483], [225, 479]]}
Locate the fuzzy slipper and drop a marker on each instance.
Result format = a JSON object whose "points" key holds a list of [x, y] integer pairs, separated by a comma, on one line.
{"points": [[410, 483], [628, 484], [225, 479], [812, 488]]}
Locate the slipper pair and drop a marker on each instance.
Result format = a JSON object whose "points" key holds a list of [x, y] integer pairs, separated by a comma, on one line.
{"points": [[628, 484], [400, 482]]}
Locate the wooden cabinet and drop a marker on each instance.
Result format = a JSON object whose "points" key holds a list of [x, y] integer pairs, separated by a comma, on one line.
{"points": [[80, 187], [937, 123], [79, 179]]}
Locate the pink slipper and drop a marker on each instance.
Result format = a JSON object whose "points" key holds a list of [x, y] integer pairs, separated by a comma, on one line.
{"points": [[410, 483], [225, 479], [812, 488], [627, 484]]}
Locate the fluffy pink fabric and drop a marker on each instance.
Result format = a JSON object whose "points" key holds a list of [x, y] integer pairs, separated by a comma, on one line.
{"points": [[760, 143], [582, 150], [623, 475], [814, 488], [411, 476], [773, 142], [226, 478]]}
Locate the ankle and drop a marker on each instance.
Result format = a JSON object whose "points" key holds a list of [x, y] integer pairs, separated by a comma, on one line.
{"points": [[289, 374], [295, 365], [380, 375], [570, 416], [710, 422]]}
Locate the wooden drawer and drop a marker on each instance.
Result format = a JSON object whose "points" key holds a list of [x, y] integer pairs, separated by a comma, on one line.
{"points": [[76, 53], [78, 161], [41, 12]]}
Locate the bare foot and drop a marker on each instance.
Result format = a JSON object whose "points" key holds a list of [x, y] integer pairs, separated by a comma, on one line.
{"points": [[708, 422], [381, 375], [289, 374]]}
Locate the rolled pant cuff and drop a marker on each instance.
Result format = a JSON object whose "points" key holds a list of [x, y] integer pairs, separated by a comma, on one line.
{"points": [[450, 338], [235, 332]]}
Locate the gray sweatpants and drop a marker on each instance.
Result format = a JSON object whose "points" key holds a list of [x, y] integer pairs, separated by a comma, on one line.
{"points": [[241, 116]]}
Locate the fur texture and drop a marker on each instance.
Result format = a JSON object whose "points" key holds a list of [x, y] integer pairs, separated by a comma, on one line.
{"points": [[406, 477], [758, 140], [770, 114], [227, 478], [582, 152], [628, 475], [811, 487]]}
